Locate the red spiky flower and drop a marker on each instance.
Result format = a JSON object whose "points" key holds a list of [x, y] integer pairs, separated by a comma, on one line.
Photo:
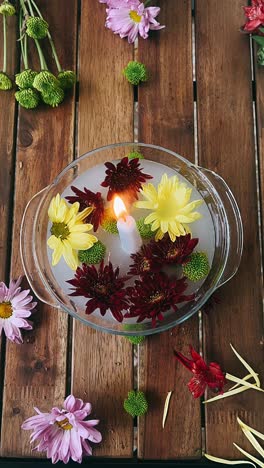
{"points": [[144, 262], [87, 198], [125, 178], [255, 15], [104, 288], [177, 252], [150, 299], [204, 375]]}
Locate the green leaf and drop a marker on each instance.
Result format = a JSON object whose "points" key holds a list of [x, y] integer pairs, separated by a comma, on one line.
{"points": [[259, 40]]}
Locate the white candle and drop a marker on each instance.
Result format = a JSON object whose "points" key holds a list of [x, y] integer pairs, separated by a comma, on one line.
{"points": [[128, 233]]}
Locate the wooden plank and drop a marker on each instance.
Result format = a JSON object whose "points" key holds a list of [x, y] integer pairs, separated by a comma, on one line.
{"points": [[102, 363], [166, 117], [259, 76], [35, 372], [226, 145]]}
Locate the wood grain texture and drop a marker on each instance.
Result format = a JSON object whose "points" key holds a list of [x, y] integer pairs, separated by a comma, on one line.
{"points": [[102, 363], [226, 145], [166, 117], [259, 77], [35, 372]]}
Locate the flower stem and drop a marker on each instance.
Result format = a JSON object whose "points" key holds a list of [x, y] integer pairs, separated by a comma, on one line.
{"points": [[52, 45], [24, 8], [5, 43], [146, 2], [43, 64], [23, 41]]}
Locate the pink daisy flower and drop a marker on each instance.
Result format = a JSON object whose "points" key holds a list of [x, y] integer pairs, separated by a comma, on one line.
{"points": [[131, 19], [15, 307], [64, 433]]}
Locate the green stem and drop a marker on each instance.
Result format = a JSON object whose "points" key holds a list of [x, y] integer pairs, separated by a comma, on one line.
{"points": [[24, 8], [5, 43], [25, 57], [22, 40], [43, 64], [52, 45]]}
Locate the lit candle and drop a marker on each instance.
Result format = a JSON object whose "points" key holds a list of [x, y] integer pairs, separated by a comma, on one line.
{"points": [[128, 233]]}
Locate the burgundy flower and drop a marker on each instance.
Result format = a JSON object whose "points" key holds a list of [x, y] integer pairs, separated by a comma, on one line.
{"points": [[173, 252], [88, 198], [157, 294], [255, 15], [144, 262], [204, 375], [124, 178], [104, 288]]}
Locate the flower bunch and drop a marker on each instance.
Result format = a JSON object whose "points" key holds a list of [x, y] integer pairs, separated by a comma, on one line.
{"points": [[130, 18], [255, 25]]}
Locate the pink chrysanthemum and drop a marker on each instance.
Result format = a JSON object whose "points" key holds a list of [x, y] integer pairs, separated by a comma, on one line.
{"points": [[132, 19], [64, 433], [15, 307]]}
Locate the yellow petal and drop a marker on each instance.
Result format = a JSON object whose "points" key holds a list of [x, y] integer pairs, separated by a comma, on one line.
{"points": [[57, 209], [164, 226], [57, 253], [147, 205], [254, 431], [53, 242], [190, 206], [166, 408], [71, 214], [83, 214], [81, 227], [150, 218], [228, 462], [247, 366], [255, 460], [81, 241], [70, 256], [159, 235]]}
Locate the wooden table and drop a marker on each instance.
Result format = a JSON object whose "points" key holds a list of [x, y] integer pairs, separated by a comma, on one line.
{"points": [[204, 112]]}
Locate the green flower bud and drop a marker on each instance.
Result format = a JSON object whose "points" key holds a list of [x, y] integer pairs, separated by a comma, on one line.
{"points": [[25, 79], [67, 79], [144, 229], [53, 97], [5, 82], [37, 28], [109, 225], [93, 255], [135, 339], [7, 9], [135, 72], [197, 267], [260, 55], [136, 403], [44, 81], [135, 155], [28, 98]]}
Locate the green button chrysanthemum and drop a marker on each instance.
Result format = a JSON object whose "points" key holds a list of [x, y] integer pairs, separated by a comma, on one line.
{"points": [[197, 267], [28, 98], [5, 82], [67, 79], [44, 81], [26, 78], [109, 225], [144, 229], [135, 155], [136, 403], [53, 97], [7, 9], [260, 55], [135, 339], [37, 28], [135, 72], [93, 255]]}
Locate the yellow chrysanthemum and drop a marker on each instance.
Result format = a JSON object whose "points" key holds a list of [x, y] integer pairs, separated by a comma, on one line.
{"points": [[69, 233], [171, 208]]}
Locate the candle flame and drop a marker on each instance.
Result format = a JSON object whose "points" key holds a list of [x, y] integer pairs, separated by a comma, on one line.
{"points": [[119, 207]]}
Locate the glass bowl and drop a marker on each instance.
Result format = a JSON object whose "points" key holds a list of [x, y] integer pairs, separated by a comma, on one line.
{"points": [[224, 217]]}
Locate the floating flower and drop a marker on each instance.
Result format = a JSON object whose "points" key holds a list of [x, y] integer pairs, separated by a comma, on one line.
{"points": [[132, 18], [69, 233], [255, 15], [87, 198], [15, 307], [144, 262], [109, 223], [204, 375], [135, 339], [197, 267], [25, 79], [151, 298], [125, 178], [135, 72], [64, 433], [144, 229], [93, 255], [171, 208], [135, 155], [136, 403], [176, 252], [104, 288]]}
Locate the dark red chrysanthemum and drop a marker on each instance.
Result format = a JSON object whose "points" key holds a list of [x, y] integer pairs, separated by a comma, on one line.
{"points": [[177, 252], [88, 198], [144, 262], [103, 286], [204, 375], [159, 293], [125, 178]]}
